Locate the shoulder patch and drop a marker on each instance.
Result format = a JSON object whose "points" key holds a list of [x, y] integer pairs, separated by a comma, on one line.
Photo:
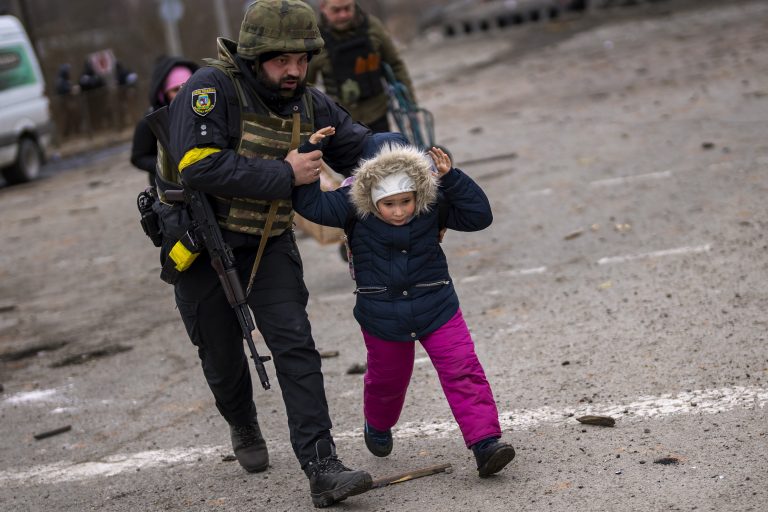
{"points": [[203, 100]]}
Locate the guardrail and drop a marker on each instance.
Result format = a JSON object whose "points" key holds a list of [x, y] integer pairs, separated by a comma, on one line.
{"points": [[507, 14]]}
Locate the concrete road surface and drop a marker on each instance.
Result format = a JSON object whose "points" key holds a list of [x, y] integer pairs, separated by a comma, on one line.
{"points": [[624, 275]]}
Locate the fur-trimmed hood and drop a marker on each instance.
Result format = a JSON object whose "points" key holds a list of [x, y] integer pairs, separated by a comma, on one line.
{"points": [[391, 159]]}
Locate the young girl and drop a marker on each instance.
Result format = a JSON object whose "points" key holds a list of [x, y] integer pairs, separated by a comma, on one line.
{"points": [[404, 291]]}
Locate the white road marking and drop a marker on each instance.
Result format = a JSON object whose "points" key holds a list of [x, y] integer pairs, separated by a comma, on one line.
{"points": [[334, 298], [541, 192], [109, 466], [630, 179], [504, 273], [705, 401], [656, 254], [39, 395], [523, 272]]}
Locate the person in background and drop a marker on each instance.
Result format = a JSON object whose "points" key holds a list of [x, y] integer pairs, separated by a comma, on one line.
{"points": [[64, 85], [67, 103], [89, 79], [356, 45], [169, 74]]}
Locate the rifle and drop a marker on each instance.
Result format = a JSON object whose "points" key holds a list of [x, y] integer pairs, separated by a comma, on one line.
{"points": [[207, 229]]}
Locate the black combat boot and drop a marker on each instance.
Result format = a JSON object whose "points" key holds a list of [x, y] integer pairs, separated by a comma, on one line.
{"points": [[492, 455], [249, 446], [330, 481]]}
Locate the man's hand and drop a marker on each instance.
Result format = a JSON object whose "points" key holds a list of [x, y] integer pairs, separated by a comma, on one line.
{"points": [[306, 166]]}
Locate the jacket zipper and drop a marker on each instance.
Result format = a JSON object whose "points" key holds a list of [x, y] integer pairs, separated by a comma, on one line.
{"points": [[363, 290], [433, 283]]}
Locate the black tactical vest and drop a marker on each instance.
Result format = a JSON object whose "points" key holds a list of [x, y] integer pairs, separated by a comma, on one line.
{"points": [[356, 66], [263, 134]]}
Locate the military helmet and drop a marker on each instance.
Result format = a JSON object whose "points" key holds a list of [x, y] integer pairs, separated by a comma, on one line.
{"points": [[285, 26]]}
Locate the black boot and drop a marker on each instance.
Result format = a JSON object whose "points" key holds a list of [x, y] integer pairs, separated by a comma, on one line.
{"points": [[249, 446], [492, 455], [330, 481], [378, 442]]}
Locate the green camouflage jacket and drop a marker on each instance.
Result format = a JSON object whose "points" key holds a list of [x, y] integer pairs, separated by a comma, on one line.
{"points": [[373, 108]]}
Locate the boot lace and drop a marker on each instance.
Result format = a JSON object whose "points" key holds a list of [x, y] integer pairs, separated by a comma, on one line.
{"points": [[330, 464]]}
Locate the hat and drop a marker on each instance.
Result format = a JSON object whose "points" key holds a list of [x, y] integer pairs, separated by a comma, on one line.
{"points": [[390, 185], [176, 76], [377, 141], [285, 26]]}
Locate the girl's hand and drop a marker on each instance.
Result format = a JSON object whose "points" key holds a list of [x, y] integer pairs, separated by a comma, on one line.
{"points": [[441, 159], [322, 133]]}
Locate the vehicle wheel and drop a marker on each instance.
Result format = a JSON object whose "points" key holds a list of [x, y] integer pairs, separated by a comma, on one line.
{"points": [[29, 161]]}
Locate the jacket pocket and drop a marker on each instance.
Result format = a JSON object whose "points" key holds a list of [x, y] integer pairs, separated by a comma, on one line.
{"points": [[443, 282], [368, 290]]}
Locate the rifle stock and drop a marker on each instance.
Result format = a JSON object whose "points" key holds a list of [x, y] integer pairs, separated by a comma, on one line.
{"points": [[222, 259]]}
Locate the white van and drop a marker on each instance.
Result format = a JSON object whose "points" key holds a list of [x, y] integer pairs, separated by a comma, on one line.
{"points": [[25, 119]]}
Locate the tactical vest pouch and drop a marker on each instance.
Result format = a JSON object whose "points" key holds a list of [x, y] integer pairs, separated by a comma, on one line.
{"points": [[149, 219], [179, 248], [180, 257], [356, 66]]}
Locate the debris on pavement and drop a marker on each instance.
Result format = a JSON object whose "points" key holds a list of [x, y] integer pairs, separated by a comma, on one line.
{"points": [[601, 421], [84, 357], [5, 308], [357, 368], [623, 228], [667, 461], [327, 354], [54, 432], [574, 234], [411, 475], [24, 353]]}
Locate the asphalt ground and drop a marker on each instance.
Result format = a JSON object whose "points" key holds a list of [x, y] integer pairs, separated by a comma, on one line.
{"points": [[623, 276]]}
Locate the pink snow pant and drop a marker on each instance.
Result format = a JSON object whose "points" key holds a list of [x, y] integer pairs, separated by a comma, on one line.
{"points": [[390, 365]]}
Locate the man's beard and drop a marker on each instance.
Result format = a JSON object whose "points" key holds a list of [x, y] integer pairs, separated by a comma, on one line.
{"points": [[276, 87]]}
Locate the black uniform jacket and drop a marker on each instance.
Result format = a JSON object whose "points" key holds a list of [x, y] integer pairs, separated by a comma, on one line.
{"points": [[228, 174]]}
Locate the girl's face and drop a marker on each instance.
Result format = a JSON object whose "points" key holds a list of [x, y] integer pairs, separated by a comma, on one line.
{"points": [[397, 209]]}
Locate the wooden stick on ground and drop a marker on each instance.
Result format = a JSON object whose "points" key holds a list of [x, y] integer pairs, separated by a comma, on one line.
{"points": [[410, 475]]}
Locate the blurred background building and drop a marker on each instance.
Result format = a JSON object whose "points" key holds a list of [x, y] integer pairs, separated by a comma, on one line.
{"points": [[97, 56]]}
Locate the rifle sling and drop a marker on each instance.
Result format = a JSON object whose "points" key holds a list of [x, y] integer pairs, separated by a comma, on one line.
{"points": [[295, 139]]}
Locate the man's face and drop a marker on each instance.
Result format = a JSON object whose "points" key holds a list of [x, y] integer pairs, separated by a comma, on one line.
{"points": [[339, 13], [286, 72]]}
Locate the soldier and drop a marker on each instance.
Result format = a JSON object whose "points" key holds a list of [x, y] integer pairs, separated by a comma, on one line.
{"points": [[234, 129], [356, 44]]}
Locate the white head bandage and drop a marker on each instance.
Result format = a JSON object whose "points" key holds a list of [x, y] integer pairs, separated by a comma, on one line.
{"points": [[391, 185]]}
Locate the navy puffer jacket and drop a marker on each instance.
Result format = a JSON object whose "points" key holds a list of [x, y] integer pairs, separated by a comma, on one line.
{"points": [[404, 290]]}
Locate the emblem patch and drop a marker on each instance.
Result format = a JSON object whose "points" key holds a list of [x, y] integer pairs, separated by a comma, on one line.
{"points": [[203, 100]]}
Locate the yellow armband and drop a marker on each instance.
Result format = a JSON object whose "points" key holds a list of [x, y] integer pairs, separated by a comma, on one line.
{"points": [[194, 155]]}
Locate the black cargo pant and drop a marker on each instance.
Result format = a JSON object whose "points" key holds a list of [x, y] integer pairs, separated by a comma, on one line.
{"points": [[278, 300]]}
